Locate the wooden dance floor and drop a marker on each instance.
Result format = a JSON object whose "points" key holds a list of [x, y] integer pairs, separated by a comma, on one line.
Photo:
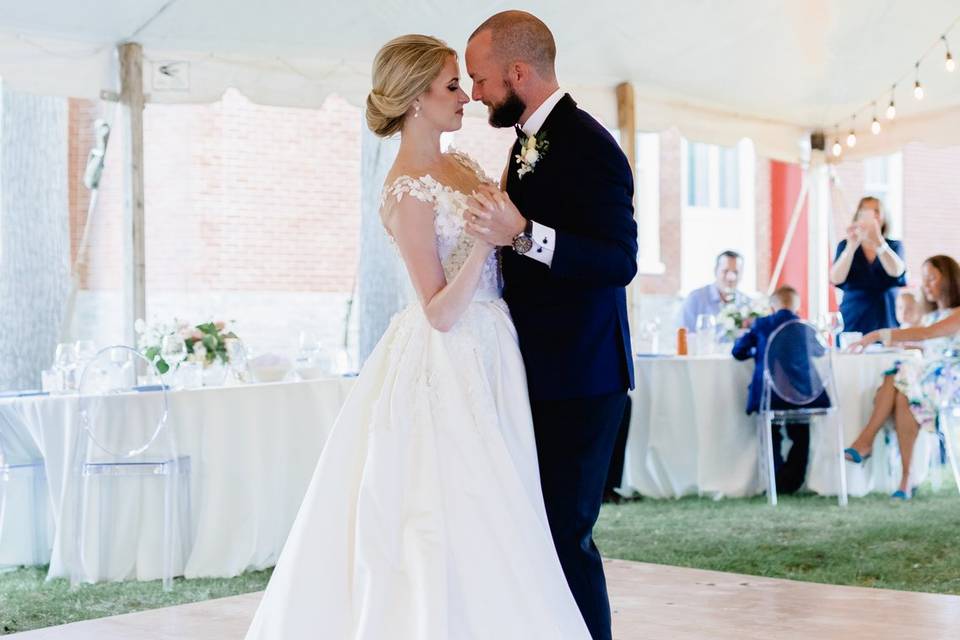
{"points": [[649, 602]]}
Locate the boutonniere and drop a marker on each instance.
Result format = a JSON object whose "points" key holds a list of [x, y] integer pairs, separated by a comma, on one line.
{"points": [[531, 150]]}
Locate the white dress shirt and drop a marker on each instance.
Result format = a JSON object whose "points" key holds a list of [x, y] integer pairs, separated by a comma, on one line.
{"points": [[544, 238]]}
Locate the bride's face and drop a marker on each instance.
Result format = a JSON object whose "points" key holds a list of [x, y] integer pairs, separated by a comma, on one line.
{"points": [[442, 104]]}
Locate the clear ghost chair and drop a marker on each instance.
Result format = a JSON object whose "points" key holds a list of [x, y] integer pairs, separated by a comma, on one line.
{"points": [[798, 383], [125, 445], [942, 382], [22, 474]]}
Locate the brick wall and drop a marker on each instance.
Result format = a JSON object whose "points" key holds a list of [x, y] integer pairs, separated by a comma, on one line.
{"points": [[251, 207], [931, 205]]}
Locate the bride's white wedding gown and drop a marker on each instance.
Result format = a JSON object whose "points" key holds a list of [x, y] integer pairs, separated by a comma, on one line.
{"points": [[424, 519]]}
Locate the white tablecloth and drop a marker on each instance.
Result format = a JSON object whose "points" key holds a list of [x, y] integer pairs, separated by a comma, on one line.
{"points": [[689, 433], [253, 449]]}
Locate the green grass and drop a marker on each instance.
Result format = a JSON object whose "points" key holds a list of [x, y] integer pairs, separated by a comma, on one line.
{"points": [[874, 542], [27, 602], [911, 546]]}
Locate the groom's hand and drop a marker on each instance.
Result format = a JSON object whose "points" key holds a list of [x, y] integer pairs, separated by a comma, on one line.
{"points": [[492, 217]]}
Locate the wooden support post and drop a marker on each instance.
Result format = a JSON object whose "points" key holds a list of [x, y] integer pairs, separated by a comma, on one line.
{"points": [[627, 123], [132, 101]]}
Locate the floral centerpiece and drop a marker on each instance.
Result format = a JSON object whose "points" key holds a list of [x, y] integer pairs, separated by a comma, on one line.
{"points": [[733, 320], [206, 342]]}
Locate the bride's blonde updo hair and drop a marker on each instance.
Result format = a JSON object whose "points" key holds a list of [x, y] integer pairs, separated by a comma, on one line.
{"points": [[403, 69]]}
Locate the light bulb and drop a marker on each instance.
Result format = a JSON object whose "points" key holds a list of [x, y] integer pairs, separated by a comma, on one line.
{"points": [[875, 126], [837, 148], [917, 90], [891, 111], [950, 64], [852, 139]]}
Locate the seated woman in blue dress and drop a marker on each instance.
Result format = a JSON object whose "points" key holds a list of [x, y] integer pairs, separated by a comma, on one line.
{"points": [[785, 302], [904, 394], [868, 268]]}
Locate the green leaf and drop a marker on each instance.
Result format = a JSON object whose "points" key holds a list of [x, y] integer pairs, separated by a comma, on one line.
{"points": [[210, 342]]}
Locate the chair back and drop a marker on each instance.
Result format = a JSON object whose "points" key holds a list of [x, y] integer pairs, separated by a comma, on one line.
{"points": [[797, 364], [121, 419]]}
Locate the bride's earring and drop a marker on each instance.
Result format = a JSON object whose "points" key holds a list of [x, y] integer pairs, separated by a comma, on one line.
{"points": [[416, 110]]}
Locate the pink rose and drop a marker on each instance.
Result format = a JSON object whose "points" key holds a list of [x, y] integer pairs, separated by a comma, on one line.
{"points": [[219, 325]]}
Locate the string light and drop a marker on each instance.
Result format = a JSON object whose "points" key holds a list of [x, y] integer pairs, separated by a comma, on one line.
{"points": [[837, 147], [852, 138], [890, 113]]}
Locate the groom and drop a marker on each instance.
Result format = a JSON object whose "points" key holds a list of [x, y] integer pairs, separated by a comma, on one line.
{"points": [[570, 245]]}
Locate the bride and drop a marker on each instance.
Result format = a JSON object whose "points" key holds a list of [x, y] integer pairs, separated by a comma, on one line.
{"points": [[424, 518]]}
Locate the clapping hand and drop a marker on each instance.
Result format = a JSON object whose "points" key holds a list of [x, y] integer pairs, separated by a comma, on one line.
{"points": [[853, 236], [492, 217], [870, 233]]}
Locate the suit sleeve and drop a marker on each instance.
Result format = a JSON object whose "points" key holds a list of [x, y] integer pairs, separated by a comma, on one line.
{"points": [[744, 347], [605, 254]]}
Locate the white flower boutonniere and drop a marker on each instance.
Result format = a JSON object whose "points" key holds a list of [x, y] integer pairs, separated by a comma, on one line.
{"points": [[531, 150]]}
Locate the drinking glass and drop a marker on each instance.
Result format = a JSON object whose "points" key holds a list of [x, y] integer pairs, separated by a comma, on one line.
{"points": [[706, 333], [65, 361]]}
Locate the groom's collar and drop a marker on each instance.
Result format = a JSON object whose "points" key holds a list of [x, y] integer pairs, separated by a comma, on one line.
{"points": [[532, 126]]}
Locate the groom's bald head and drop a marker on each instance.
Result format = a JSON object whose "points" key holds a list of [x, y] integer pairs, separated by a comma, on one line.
{"points": [[518, 36]]}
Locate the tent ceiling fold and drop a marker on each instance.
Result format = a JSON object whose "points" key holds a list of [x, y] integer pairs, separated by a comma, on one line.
{"points": [[719, 70]]}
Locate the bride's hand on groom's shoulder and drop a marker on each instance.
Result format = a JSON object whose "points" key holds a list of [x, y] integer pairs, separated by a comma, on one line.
{"points": [[492, 217]]}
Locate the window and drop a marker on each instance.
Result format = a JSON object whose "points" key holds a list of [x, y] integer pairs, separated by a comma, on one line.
{"points": [[713, 176], [883, 178], [718, 213]]}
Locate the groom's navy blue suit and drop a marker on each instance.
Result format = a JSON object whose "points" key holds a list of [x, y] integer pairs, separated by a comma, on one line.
{"points": [[571, 319]]}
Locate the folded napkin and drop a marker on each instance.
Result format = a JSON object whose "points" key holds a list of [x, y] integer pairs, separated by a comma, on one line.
{"points": [[23, 394], [152, 387]]}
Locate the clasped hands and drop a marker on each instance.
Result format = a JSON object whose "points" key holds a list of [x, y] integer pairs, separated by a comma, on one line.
{"points": [[866, 232], [492, 217]]}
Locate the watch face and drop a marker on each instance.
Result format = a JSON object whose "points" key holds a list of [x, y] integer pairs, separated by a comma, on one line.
{"points": [[522, 243]]}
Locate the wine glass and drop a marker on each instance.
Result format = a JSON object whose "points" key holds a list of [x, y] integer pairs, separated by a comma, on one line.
{"points": [[834, 326], [237, 357], [309, 341], [173, 350], [85, 350]]}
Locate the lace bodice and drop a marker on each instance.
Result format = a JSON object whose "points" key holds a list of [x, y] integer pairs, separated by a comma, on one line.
{"points": [[449, 204]]}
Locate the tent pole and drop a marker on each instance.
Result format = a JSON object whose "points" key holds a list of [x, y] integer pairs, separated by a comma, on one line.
{"points": [[627, 122], [818, 260], [791, 229], [132, 103]]}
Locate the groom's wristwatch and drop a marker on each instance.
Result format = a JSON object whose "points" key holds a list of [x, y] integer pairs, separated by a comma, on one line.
{"points": [[523, 241]]}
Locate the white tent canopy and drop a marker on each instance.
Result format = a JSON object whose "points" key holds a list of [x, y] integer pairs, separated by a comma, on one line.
{"points": [[720, 70]]}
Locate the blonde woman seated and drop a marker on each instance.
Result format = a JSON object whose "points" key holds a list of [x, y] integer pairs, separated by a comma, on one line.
{"points": [[901, 395], [910, 309]]}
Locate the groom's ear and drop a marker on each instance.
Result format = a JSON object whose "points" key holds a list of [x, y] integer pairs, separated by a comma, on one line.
{"points": [[518, 72]]}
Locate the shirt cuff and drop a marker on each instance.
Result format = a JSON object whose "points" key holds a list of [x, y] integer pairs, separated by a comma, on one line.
{"points": [[544, 242]]}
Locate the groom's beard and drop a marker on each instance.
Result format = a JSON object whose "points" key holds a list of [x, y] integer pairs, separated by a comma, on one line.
{"points": [[508, 112]]}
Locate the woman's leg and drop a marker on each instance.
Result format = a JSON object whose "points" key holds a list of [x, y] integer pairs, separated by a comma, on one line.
{"points": [[883, 406], [907, 430]]}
